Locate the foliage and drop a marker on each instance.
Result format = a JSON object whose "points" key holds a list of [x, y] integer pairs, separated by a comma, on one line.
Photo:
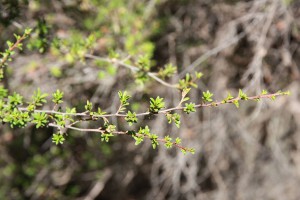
{"points": [[57, 97], [7, 54], [40, 119], [189, 107], [58, 138], [17, 116], [64, 128], [131, 118], [156, 104], [207, 96], [175, 118]]}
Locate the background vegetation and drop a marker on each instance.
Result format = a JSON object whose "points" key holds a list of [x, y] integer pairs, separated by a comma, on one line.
{"points": [[245, 153]]}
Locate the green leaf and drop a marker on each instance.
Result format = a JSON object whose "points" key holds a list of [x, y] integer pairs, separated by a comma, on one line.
{"points": [[56, 71], [183, 151], [242, 95], [60, 120], [207, 96], [18, 37], [88, 106], [187, 82], [168, 71], [58, 138], [144, 131], [3, 92], [185, 91], [100, 112], [198, 75], [175, 117], [138, 139], [141, 77], [187, 77], [1, 71], [123, 97], [70, 110], [154, 140], [229, 97], [156, 104], [264, 92], [236, 103], [9, 44], [113, 54], [287, 93], [168, 142], [106, 137], [178, 140], [110, 128], [57, 97], [131, 118], [40, 119], [273, 97], [144, 63], [27, 31], [15, 99], [39, 98], [189, 107], [90, 41], [191, 150], [20, 46], [16, 118]]}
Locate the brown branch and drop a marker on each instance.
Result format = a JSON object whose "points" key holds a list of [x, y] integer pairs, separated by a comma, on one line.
{"points": [[165, 111], [162, 140], [15, 45]]}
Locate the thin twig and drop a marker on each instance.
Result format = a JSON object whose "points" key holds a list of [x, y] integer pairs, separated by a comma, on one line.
{"points": [[15, 45], [132, 68], [115, 133], [164, 111]]}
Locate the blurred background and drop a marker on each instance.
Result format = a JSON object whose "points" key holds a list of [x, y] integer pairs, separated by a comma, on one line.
{"points": [[246, 153]]}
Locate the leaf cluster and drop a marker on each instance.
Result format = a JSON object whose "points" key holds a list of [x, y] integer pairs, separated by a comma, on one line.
{"points": [[156, 104], [63, 119], [6, 56], [190, 80]]}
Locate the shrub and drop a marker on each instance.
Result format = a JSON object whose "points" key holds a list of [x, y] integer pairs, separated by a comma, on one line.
{"points": [[19, 113]]}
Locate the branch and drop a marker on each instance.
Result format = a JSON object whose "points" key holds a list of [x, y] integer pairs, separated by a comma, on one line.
{"points": [[164, 111], [132, 68], [12, 46], [162, 140]]}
